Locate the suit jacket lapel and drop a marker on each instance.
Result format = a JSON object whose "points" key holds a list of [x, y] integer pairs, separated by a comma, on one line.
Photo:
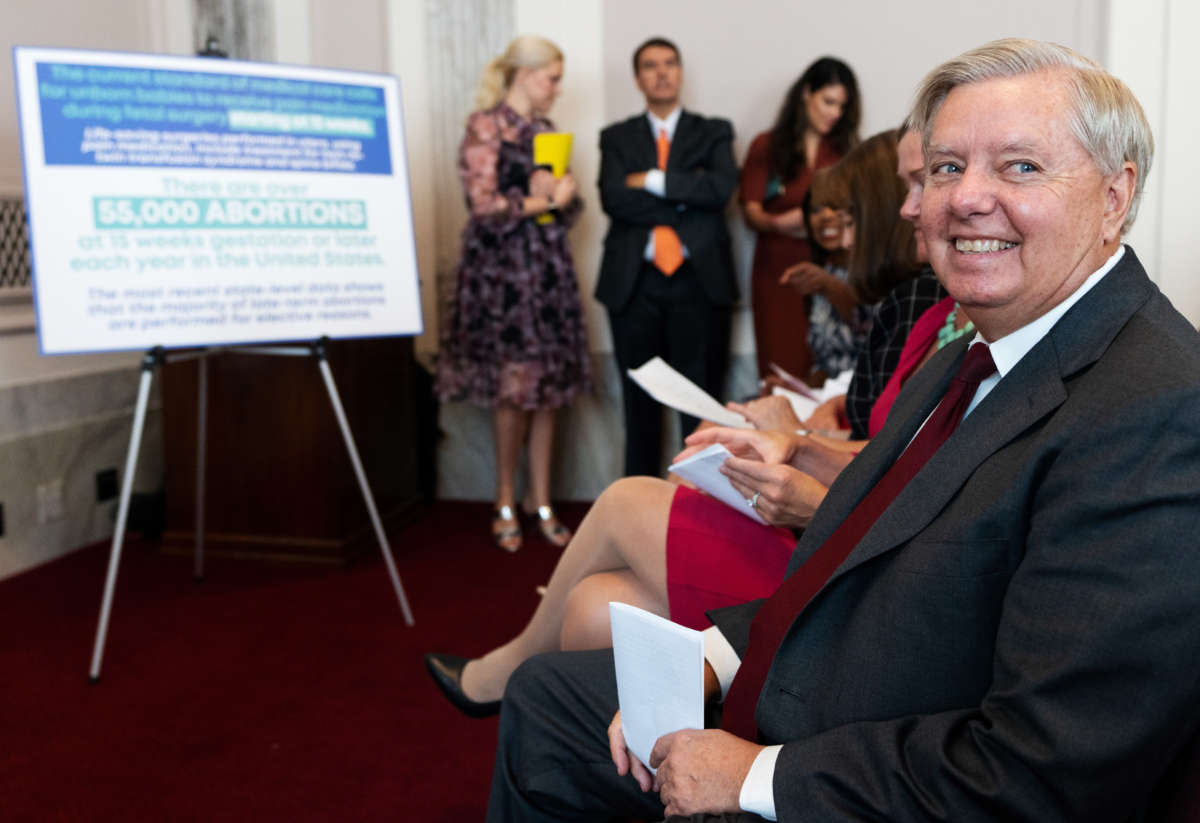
{"points": [[1012, 407], [919, 397], [1034, 388], [685, 130]]}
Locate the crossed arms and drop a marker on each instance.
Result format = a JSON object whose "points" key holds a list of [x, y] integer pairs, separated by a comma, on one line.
{"points": [[706, 185]]}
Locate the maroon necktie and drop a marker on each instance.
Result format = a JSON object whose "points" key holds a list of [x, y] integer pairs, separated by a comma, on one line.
{"points": [[780, 610]]}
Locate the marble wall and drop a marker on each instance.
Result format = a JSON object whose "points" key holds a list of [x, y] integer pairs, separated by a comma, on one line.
{"points": [[57, 435]]}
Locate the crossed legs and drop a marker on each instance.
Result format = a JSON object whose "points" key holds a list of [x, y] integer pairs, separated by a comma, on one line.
{"points": [[619, 552]]}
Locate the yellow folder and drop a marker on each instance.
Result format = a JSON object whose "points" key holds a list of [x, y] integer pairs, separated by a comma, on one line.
{"points": [[552, 149]]}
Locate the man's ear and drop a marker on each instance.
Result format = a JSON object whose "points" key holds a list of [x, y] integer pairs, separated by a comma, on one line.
{"points": [[1118, 196]]}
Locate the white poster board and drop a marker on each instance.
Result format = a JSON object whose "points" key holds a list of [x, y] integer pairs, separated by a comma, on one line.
{"points": [[196, 201]]}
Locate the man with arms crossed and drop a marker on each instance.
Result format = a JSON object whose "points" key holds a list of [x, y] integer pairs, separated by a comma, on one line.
{"points": [[1011, 635], [667, 273]]}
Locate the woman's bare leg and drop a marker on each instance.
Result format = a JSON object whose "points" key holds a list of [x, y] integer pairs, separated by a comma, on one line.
{"points": [[509, 424], [541, 452], [585, 622], [626, 529]]}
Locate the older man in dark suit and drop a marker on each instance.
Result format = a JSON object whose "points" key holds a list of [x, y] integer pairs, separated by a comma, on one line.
{"points": [[667, 273], [992, 619]]}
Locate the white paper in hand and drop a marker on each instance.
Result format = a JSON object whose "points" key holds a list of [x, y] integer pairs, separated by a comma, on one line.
{"points": [[834, 386], [703, 470], [671, 388], [660, 677], [803, 407]]}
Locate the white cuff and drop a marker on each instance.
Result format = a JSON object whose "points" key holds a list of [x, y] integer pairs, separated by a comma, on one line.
{"points": [[758, 792], [656, 182], [721, 656]]}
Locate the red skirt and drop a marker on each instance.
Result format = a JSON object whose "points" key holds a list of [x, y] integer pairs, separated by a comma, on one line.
{"points": [[717, 557]]}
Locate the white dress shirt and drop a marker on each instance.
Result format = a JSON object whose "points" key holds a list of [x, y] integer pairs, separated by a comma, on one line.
{"points": [[757, 795], [656, 178]]}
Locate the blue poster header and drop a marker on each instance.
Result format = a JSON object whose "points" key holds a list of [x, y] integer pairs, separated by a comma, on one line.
{"points": [[96, 115]]}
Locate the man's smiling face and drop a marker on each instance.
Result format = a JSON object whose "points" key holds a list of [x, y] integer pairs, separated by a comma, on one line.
{"points": [[1014, 211]]}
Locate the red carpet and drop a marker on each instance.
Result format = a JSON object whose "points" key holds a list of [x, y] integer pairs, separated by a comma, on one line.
{"points": [[270, 692]]}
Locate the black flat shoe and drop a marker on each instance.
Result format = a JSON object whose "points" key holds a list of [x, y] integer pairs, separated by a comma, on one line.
{"points": [[446, 671]]}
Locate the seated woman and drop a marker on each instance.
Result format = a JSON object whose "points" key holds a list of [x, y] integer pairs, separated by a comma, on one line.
{"points": [[911, 323], [839, 316], [672, 550], [885, 273]]}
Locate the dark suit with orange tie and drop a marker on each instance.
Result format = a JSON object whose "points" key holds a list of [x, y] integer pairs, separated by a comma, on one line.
{"points": [[684, 317]]}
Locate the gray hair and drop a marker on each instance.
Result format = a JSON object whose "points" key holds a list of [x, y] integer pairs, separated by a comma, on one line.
{"points": [[1105, 117]]}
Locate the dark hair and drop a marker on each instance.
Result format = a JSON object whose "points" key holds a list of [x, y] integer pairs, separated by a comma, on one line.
{"points": [[884, 253], [655, 41], [785, 152], [828, 188]]}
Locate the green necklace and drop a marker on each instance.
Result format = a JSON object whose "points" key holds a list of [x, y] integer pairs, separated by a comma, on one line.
{"points": [[947, 334]]}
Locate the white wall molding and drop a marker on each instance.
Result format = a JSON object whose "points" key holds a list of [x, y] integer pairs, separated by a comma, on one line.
{"points": [[293, 31], [1151, 45]]}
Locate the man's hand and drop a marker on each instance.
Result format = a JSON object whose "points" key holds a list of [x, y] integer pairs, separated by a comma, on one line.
{"points": [[636, 180], [701, 770], [773, 413], [625, 760]]}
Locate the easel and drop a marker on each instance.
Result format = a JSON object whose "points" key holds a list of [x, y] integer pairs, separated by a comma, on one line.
{"points": [[156, 357]]}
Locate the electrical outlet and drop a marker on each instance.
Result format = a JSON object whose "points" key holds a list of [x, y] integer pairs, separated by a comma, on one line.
{"points": [[106, 485], [50, 501]]}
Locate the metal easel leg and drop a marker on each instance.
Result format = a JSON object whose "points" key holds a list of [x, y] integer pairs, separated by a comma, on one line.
{"points": [[152, 359], [323, 364], [201, 462]]}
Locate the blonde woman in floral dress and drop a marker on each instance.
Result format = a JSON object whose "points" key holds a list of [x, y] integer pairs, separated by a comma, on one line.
{"points": [[515, 341]]}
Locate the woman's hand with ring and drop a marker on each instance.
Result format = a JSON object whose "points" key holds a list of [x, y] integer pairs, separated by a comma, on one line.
{"points": [[784, 496]]}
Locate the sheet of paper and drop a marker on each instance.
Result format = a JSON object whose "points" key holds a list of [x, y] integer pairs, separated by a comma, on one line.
{"points": [[802, 406], [703, 471], [791, 381], [834, 386], [671, 388], [660, 676]]}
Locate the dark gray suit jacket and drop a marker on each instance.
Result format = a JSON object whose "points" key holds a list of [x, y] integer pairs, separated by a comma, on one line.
{"points": [[1018, 636], [700, 177]]}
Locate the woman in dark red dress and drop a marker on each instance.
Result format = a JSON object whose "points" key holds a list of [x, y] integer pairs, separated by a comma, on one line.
{"points": [[816, 126]]}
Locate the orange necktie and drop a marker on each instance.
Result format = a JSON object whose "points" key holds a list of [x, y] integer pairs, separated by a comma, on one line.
{"points": [[668, 251]]}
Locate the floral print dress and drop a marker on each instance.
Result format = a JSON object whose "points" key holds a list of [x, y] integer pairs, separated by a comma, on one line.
{"points": [[834, 342], [515, 334]]}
